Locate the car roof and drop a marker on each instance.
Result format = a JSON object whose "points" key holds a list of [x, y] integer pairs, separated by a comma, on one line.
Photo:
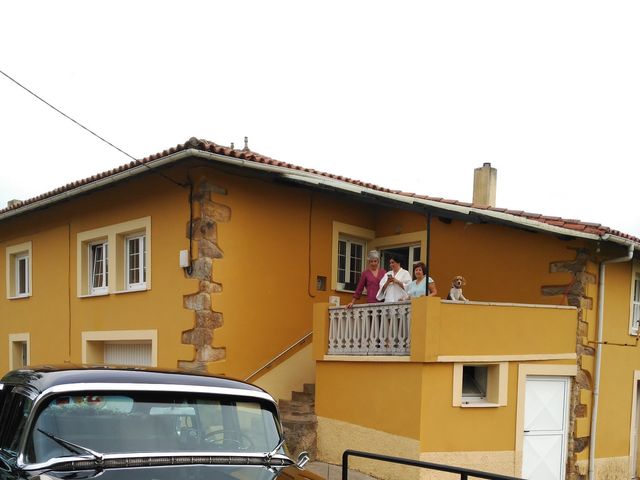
{"points": [[40, 378]]}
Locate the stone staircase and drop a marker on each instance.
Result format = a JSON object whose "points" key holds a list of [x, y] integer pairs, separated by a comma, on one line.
{"points": [[299, 421]]}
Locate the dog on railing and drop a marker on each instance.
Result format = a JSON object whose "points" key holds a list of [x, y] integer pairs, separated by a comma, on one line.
{"points": [[456, 289]]}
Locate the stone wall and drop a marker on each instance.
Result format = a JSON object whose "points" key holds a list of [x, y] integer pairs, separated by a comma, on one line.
{"points": [[204, 239], [575, 294]]}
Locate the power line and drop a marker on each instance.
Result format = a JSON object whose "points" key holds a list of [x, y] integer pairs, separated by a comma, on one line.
{"points": [[67, 116], [89, 130]]}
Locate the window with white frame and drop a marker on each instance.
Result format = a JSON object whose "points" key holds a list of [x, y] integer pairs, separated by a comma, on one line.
{"points": [[350, 261], [115, 258], [135, 262], [22, 275], [635, 300], [18, 258], [98, 267]]}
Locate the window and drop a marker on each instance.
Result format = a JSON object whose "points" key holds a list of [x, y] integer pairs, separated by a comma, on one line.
{"points": [[350, 262], [635, 300], [474, 382], [409, 255], [121, 347], [115, 258], [18, 259], [18, 350], [480, 384], [98, 268], [135, 268], [349, 251]]}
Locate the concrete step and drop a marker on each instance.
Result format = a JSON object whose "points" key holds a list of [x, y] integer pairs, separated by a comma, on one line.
{"points": [[295, 407], [303, 397], [298, 418]]}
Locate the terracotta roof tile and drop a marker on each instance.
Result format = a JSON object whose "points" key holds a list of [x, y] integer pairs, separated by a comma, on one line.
{"points": [[204, 145]]}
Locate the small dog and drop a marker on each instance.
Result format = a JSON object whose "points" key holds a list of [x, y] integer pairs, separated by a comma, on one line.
{"points": [[456, 289]]}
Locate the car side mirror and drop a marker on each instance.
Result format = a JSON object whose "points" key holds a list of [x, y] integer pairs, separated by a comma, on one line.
{"points": [[303, 459]]}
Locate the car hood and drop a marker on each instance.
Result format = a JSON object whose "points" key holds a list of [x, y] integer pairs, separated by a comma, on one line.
{"points": [[183, 472]]}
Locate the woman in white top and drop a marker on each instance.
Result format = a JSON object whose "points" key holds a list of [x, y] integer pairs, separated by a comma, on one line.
{"points": [[393, 285]]}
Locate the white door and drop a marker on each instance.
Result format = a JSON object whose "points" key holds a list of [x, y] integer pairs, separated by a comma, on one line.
{"points": [[635, 441], [546, 412]]}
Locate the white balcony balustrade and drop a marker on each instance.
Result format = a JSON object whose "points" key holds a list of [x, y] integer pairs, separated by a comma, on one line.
{"points": [[370, 329]]}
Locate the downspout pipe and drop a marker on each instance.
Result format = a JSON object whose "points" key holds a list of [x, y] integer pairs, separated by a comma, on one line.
{"points": [[598, 362]]}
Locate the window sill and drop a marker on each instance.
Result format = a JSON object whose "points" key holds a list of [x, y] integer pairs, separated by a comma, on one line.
{"points": [[480, 405], [133, 290], [91, 295], [19, 297]]}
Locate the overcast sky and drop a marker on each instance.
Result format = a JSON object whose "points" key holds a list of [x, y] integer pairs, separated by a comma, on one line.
{"points": [[408, 95]]}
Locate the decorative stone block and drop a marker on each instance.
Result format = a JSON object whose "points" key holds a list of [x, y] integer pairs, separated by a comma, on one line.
{"points": [[208, 319], [215, 211], [579, 444], [191, 366], [199, 337], [583, 380], [210, 354], [202, 268], [207, 248], [203, 228], [210, 287], [585, 350], [198, 301], [580, 411]]}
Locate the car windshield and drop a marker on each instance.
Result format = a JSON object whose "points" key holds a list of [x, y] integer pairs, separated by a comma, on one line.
{"points": [[151, 422]]}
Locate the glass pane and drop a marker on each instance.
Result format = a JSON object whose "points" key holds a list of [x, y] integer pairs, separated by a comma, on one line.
{"points": [[342, 260], [153, 422], [474, 381], [22, 276]]}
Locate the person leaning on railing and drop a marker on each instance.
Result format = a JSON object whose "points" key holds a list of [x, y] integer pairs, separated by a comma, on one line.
{"points": [[370, 279]]}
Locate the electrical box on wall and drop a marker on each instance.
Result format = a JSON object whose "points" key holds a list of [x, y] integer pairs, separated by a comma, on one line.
{"points": [[184, 258]]}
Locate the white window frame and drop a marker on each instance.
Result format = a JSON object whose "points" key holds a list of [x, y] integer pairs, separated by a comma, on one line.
{"points": [[93, 343], [141, 240], [349, 241], [22, 257], [103, 288], [14, 255], [634, 304], [116, 237], [354, 233]]}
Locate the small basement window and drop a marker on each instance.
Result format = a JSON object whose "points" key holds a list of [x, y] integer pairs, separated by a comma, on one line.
{"points": [[480, 384], [474, 383]]}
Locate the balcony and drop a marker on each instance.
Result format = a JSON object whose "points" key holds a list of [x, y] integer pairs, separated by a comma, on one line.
{"points": [[429, 329]]}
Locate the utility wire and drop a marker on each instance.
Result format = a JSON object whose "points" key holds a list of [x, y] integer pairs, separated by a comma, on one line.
{"points": [[89, 130], [67, 116]]}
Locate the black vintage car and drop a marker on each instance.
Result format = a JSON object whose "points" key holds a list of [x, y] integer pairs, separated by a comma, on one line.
{"points": [[77, 422]]}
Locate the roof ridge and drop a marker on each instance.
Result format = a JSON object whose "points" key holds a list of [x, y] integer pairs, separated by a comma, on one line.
{"points": [[209, 146]]}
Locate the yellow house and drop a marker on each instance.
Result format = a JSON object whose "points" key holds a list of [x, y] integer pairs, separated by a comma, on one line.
{"points": [[213, 259]]}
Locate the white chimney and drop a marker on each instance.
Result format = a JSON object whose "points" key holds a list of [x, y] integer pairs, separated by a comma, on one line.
{"points": [[13, 203], [485, 179]]}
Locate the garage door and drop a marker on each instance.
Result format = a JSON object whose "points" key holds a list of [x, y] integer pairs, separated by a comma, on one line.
{"points": [[127, 353], [545, 428]]}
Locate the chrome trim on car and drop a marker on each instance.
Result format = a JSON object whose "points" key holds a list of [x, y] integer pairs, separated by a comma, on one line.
{"points": [[156, 387], [49, 464]]}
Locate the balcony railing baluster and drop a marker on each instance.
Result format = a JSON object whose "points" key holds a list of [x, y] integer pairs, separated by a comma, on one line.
{"points": [[370, 329]]}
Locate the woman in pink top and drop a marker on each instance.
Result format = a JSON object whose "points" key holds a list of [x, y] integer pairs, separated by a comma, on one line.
{"points": [[370, 279]]}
